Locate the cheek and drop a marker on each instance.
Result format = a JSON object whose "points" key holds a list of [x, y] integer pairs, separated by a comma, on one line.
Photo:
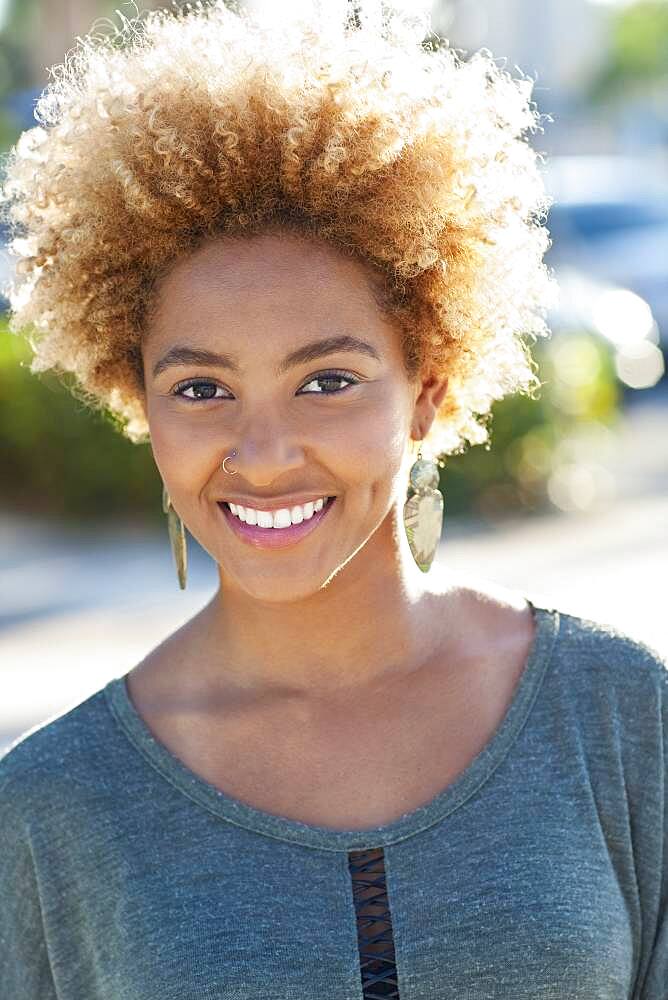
{"points": [[386, 421], [182, 453], [371, 438]]}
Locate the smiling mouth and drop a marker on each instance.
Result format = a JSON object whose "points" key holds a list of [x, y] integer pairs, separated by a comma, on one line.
{"points": [[272, 508], [271, 537]]}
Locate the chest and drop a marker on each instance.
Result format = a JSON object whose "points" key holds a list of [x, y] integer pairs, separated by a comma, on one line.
{"points": [[487, 902], [356, 764]]}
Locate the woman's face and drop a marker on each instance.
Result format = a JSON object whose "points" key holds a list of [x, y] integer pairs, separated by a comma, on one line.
{"points": [[306, 423]]}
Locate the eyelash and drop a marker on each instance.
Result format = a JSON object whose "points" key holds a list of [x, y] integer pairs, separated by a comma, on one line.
{"points": [[333, 374]]}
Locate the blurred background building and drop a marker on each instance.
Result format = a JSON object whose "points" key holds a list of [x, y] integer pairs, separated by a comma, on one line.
{"points": [[570, 504], [600, 67]]}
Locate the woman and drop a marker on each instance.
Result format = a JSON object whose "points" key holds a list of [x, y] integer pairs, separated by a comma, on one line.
{"points": [[289, 252]]}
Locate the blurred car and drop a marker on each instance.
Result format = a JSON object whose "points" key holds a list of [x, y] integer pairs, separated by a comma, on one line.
{"points": [[609, 221]]}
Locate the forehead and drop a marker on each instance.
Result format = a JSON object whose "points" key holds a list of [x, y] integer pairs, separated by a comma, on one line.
{"points": [[271, 276]]}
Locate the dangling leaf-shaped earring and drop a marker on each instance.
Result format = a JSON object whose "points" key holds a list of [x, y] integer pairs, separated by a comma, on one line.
{"points": [[423, 512], [177, 537]]}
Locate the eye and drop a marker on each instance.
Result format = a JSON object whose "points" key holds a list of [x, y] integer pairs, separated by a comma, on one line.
{"points": [[205, 389], [331, 377], [203, 386]]}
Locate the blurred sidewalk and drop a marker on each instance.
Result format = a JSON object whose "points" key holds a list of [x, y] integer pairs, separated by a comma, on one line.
{"points": [[79, 608]]}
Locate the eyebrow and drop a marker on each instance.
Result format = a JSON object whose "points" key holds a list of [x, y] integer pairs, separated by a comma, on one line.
{"points": [[182, 355]]}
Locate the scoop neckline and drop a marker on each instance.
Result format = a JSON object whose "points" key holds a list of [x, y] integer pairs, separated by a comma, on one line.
{"points": [[445, 802]]}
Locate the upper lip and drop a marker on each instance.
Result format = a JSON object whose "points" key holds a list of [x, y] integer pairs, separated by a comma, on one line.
{"points": [[274, 504]]}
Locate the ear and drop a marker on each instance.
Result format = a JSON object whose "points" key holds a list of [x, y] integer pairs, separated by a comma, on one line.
{"points": [[430, 396]]}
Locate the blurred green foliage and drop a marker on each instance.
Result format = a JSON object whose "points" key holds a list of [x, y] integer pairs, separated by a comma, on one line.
{"points": [[60, 458], [530, 438], [638, 50]]}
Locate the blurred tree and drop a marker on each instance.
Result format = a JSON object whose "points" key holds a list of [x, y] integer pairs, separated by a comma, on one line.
{"points": [[44, 30], [638, 51], [62, 459], [37, 34], [16, 73]]}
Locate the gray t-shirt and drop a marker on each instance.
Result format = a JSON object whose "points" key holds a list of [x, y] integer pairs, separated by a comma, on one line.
{"points": [[540, 873]]}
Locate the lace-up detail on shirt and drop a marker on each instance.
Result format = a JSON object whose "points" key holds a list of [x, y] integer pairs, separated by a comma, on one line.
{"points": [[374, 924]]}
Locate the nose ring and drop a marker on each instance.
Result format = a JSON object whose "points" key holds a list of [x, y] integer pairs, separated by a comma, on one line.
{"points": [[227, 457]]}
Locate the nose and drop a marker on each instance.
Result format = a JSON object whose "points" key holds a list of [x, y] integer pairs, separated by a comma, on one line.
{"points": [[264, 453]]}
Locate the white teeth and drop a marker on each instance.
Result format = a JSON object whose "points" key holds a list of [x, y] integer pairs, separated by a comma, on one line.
{"points": [[281, 518], [297, 515]]}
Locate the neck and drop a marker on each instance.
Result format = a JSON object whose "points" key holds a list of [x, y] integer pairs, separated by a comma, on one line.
{"points": [[379, 617]]}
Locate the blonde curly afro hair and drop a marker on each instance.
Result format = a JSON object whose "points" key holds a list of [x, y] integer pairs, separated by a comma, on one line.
{"points": [[355, 125]]}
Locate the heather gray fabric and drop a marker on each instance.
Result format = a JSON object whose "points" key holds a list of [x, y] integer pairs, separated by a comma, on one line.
{"points": [[541, 872]]}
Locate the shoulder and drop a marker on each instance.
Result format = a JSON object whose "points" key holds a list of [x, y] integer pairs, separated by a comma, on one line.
{"points": [[612, 688], [56, 751], [595, 662], [587, 652], [605, 648], [583, 644]]}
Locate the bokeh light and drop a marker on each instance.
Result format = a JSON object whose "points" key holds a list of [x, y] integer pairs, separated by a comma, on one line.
{"points": [[640, 365], [580, 486], [622, 316]]}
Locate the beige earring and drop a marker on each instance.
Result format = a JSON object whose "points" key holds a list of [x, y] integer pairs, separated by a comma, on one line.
{"points": [[423, 512], [177, 537]]}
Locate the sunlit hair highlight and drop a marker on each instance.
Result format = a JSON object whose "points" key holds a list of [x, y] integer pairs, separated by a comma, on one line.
{"points": [[365, 132]]}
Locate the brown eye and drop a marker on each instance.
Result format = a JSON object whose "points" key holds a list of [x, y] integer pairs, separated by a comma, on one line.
{"points": [[202, 390], [331, 378]]}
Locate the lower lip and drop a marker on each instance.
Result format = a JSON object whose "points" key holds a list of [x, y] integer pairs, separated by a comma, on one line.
{"points": [[274, 538]]}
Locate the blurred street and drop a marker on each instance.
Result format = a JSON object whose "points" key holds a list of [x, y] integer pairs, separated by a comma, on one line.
{"points": [[78, 609]]}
